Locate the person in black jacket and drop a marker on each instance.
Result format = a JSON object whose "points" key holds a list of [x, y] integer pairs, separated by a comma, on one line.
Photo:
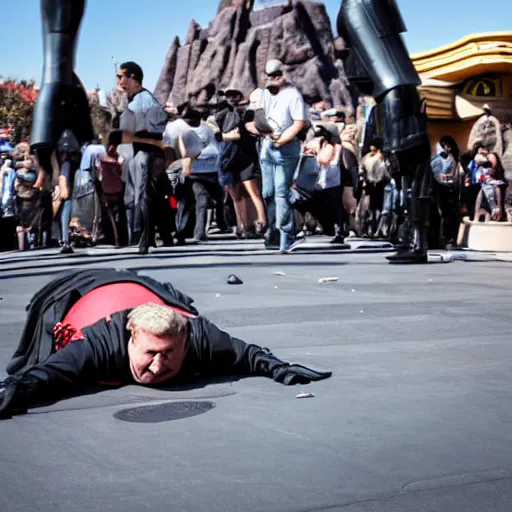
{"points": [[238, 163], [150, 344]]}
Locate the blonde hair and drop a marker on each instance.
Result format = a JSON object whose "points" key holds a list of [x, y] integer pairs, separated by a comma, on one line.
{"points": [[162, 321]]}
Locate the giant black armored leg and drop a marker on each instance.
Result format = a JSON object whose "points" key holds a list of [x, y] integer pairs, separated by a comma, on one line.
{"points": [[62, 102], [414, 249], [378, 62]]}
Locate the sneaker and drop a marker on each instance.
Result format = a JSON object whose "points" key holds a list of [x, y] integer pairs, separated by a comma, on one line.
{"points": [[198, 241], [291, 247], [271, 246], [66, 249]]}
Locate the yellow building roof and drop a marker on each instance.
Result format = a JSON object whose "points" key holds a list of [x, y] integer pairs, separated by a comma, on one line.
{"points": [[489, 52]]}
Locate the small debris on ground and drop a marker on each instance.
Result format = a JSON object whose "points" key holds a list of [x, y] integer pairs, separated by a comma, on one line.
{"points": [[328, 279], [232, 279], [361, 311], [276, 287], [217, 295], [305, 395], [279, 273], [353, 290]]}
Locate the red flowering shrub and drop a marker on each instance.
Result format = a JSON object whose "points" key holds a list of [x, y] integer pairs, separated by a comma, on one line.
{"points": [[17, 99]]}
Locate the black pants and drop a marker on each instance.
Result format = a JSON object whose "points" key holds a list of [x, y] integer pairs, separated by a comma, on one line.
{"points": [[194, 196], [469, 194], [376, 193], [115, 227], [326, 206], [449, 205], [147, 188]]}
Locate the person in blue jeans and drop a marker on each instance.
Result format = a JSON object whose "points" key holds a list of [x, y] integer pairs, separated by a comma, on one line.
{"points": [[70, 156], [282, 106]]}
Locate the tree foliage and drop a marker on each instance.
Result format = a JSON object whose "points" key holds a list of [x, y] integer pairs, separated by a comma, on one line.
{"points": [[17, 99]]}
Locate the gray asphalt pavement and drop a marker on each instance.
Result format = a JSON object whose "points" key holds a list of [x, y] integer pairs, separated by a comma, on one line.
{"points": [[417, 416]]}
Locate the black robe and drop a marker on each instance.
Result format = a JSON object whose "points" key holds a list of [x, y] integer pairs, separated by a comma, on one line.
{"points": [[51, 303], [103, 356]]}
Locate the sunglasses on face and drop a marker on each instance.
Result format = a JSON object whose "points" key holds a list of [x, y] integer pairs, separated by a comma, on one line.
{"points": [[275, 75]]}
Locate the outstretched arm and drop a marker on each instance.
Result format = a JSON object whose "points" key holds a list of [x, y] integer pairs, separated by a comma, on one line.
{"points": [[222, 354], [56, 378], [101, 355]]}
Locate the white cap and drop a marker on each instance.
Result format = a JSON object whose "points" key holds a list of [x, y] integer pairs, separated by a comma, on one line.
{"points": [[332, 112], [274, 66], [255, 99]]}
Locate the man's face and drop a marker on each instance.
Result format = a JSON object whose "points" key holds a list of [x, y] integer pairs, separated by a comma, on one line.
{"points": [[127, 83], [274, 82], [154, 360], [233, 99]]}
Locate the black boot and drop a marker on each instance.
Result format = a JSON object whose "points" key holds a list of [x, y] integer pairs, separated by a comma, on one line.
{"points": [[272, 240], [338, 239], [416, 250]]}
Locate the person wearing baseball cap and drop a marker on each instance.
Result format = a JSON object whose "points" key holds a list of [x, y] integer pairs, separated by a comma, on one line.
{"points": [[285, 111]]}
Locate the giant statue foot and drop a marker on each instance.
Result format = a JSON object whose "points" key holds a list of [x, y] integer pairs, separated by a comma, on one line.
{"points": [[408, 257]]}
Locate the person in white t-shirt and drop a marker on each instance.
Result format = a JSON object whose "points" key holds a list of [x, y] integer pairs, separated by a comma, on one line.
{"points": [[285, 112], [200, 185]]}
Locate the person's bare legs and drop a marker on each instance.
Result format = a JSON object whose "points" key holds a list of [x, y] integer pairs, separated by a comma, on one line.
{"points": [[254, 192], [496, 214], [240, 207], [20, 232], [478, 207]]}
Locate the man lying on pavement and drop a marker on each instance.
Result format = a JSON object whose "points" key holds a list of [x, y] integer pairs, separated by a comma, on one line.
{"points": [[151, 344]]}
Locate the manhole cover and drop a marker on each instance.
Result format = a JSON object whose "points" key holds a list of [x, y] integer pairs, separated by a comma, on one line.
{"points": [[163, 412]]}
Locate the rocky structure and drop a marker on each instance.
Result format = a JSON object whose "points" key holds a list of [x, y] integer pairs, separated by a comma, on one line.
{"points": [[232, 51]]}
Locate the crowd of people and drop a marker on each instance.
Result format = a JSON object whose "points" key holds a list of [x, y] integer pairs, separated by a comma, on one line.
{"points": [[275, 166]]}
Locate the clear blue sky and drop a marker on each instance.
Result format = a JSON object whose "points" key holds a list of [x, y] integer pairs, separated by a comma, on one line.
{"points": [[120, 30]]}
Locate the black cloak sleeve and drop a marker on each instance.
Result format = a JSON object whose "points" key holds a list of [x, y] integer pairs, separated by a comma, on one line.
{"points": [[213, 352], [101, 356]]}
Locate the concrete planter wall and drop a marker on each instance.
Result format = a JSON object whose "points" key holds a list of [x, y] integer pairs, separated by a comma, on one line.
{"points": [[485, 236]]}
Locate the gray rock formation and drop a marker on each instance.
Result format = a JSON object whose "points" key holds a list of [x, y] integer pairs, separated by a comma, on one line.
{"points": [[507, 151], [232, 51], [166, 80]]}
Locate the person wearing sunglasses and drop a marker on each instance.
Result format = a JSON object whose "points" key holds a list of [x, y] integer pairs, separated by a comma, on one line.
{"points": [[142, 124]]}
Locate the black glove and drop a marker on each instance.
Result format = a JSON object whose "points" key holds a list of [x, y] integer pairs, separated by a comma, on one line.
{"points": [[8, 394], [291, 374], [18, 393]]}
